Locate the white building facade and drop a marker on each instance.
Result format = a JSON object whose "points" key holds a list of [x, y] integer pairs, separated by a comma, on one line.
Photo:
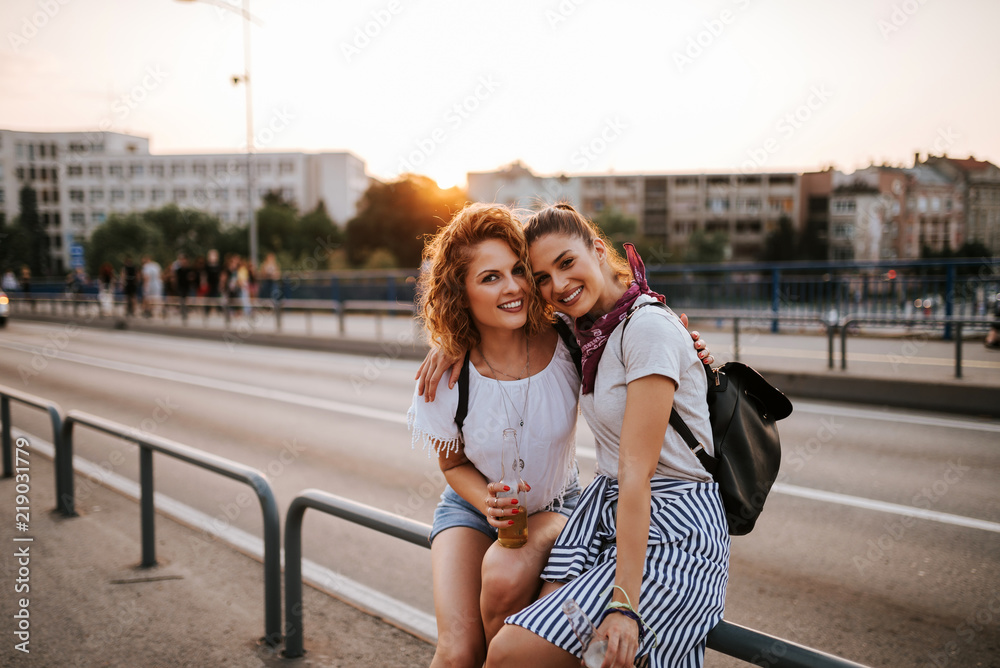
{"points": [[81, 178]]}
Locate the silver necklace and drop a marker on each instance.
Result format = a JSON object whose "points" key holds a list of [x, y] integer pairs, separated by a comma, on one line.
{"points": [[527, 365]]}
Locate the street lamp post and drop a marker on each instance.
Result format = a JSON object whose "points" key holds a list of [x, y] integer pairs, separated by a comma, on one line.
{"points": [[245, 80]]}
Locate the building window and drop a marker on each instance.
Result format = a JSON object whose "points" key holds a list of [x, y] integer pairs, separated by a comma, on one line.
{"points": [[714, 226], [198, 169], [718, 180], [180, 194], [117, 195], [156, 170], [844, 206], [76, 196], [241, 194], [77, 218], [177, 169], [156, 195], [221, 194], [200, 194], [285, 168], [96, 195], [717, 204], [288, 194], [135, 170], [74, 170], [843, 231], [751, 205], [115, 170], [95, 170], [98, 217], [263, 168], [220, 169], [788, 180], [137, 195]]}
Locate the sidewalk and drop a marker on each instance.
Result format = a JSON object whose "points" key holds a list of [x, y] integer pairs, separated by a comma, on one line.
{"points": [[90, 605]]}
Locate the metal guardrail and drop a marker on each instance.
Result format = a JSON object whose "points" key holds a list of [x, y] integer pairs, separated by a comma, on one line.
{"points": [[7, 395], [845, 326], [148, 443], [737, 641], [191, 306]]}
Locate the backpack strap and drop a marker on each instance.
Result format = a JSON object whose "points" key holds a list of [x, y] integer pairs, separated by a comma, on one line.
{"points": [[569, 338], [676, 421], [463, 394]]}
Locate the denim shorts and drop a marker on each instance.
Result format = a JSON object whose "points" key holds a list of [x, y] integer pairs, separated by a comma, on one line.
{"points": [[454, 511]]}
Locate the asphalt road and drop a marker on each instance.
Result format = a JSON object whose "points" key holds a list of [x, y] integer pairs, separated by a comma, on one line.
{"points": [[835, 561]]}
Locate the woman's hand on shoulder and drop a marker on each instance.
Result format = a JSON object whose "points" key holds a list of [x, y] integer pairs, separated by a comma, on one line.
{"points": [[704, 354], [431, 370]]}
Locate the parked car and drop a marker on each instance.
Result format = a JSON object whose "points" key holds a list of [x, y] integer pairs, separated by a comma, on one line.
{"points": [[4, 308]]}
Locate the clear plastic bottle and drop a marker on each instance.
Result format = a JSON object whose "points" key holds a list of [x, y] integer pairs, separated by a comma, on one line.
{"points": [[516, 534], [586, 632]]}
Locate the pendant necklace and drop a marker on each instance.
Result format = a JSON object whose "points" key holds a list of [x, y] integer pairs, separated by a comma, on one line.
{"points": [[496, 374]]}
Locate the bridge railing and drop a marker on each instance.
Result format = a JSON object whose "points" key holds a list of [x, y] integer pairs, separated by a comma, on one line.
{"points": [[149, 443], [7, 395], [737, 641]]}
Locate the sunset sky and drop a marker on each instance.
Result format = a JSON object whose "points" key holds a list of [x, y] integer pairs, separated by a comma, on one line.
{"points": [[448, 87]]}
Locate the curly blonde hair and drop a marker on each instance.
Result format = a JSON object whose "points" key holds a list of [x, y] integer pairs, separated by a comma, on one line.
{"points": [[441, 289]]}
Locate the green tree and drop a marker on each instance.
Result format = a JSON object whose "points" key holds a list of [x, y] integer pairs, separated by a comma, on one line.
{"points": [[812, 244], [704, 248], [38, 240], [122, 235], [781, 244], [277, 223], [397, 215], [187, 231], [318, 235], [15, 245], [618, 227]]}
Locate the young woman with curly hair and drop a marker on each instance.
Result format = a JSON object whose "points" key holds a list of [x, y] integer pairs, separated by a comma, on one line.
{"points": [[477, 296]]}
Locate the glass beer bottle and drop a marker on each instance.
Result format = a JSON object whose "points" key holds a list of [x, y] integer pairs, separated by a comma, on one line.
{"points": [[593, 649], [516, 534]]}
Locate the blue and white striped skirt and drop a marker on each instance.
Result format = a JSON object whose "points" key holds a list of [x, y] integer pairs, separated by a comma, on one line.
{"points": [[684, 582]]}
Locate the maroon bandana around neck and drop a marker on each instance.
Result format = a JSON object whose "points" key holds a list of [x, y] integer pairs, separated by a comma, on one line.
{"points": [[593, 336]]}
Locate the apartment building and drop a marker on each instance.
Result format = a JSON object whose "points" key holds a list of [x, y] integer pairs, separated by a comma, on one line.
{"points": [[980, 194], [668, 207], [81, 178]]}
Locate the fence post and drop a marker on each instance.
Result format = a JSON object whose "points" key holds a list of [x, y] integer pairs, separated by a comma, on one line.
{"points": [[775, 297], [64, 460], [293, 579], [958, 349], [949, 299], [148, 513], [8, 451], [736, 339]]}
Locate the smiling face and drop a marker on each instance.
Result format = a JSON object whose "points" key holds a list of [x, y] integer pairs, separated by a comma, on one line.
{"points": [[496, 286], [569, 272]]}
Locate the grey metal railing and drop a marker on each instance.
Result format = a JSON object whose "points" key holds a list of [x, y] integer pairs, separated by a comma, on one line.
{"points": [[7, 395], [736, 641], [739, 318], [845, 327], [148, 443]]}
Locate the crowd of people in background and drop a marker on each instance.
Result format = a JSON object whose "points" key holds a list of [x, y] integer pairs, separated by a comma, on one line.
{"points": [[231, 280]]}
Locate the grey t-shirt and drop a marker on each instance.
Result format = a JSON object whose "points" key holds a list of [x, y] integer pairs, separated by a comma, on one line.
{"points": [[655, 343]]}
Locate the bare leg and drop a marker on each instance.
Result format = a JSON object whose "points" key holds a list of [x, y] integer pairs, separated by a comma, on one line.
{"points": [[511, 577], [517, 647], [457, 558]]}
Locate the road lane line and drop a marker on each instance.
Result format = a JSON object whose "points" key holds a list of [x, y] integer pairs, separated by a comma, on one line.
{"points": [[397, 417], [868, 414], [884, 507], [369, 600]]}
